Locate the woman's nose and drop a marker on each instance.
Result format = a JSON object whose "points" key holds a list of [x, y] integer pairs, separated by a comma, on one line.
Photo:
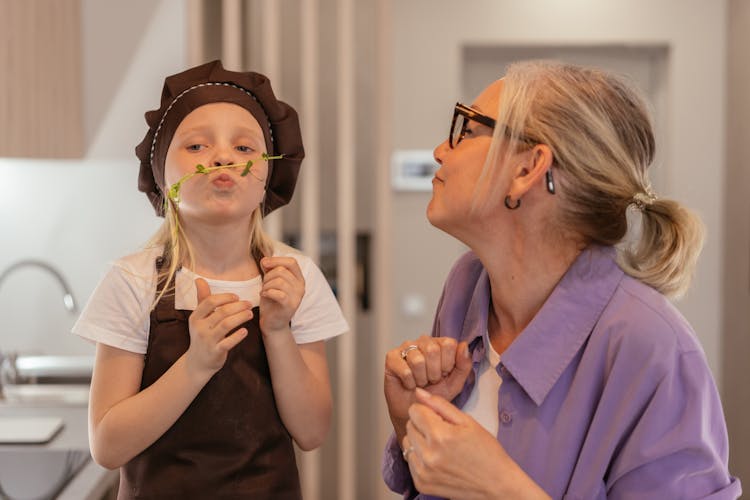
{"points": [[439, 151]]}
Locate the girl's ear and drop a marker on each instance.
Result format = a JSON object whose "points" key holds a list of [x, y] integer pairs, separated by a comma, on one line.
{"points": [[536, 163]]}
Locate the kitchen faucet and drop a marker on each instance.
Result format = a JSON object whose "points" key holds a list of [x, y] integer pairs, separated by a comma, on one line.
{"points": [[8, 368], [68, 300]]}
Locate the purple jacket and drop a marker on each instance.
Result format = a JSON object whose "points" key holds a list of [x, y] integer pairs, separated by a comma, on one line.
{"points": [[605, 394]]}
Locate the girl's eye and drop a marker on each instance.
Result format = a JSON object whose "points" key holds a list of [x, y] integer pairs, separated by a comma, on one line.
{"points": [[194, 147], [244, 149]]}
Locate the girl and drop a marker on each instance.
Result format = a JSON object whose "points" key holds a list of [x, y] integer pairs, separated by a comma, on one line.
{"points": [[210, 352]]}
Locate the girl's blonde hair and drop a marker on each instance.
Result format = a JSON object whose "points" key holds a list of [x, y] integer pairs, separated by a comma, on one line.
{"points": [[178, 251], [599, 130]]}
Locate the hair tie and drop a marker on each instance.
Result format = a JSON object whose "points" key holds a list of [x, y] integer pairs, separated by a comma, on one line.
{"points": [[644, 199]]}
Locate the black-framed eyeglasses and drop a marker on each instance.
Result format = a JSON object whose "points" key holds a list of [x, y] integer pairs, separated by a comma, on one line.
{"points": [[461, 116]]}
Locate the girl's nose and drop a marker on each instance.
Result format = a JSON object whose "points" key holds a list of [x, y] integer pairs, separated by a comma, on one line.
{"points": [[222, 152], [222, 158]]}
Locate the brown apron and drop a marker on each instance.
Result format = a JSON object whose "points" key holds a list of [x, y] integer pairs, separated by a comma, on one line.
{"points": [[230, 442]]}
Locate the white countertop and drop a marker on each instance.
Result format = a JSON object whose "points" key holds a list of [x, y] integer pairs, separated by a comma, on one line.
{"points": [[92, 480]]}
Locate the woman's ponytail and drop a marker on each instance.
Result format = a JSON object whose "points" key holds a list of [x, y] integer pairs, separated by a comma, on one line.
{"points": [[664, 257]]}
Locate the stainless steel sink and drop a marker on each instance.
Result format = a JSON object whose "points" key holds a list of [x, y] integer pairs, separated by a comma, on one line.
{"points": [[47, 394], [39, 369], [45, 379], [37, 473]]}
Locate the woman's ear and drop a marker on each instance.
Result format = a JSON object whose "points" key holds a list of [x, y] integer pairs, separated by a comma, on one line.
{"points": [[536, 163]]}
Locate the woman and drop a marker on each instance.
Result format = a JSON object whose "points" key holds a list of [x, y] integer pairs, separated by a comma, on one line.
{"points": [[568, 371]]}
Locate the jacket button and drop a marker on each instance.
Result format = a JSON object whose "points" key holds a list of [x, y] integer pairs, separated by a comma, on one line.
{"points": [[506, 417]]}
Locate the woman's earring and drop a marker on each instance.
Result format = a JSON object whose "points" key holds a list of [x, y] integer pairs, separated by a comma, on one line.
{"points": [[550, 183], [512, 207]]}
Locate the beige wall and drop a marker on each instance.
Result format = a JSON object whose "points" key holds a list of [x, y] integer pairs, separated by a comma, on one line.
{"points": [[428, 80], [736, 392]]}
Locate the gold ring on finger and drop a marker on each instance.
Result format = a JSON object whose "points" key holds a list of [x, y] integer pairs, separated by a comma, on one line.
{"points": [[405, 352]]}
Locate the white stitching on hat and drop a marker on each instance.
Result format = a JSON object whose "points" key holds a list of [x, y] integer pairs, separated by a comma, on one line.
{"points": [[166, 111]]}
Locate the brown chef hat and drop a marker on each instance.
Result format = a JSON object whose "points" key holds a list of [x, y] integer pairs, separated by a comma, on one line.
{"points": [[209, 83]]}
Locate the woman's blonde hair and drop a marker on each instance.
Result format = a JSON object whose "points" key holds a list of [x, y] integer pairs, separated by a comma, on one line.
{"points": [[177, 249], [599, 130]]}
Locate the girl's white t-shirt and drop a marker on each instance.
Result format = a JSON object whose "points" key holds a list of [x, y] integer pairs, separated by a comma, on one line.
{"points": [[118, 312]]}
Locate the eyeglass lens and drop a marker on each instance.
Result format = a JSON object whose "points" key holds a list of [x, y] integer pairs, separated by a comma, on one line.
{"points": [[458, 130]]}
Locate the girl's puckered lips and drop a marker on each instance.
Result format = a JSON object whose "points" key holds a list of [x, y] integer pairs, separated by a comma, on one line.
{"points": [[223, 180]]}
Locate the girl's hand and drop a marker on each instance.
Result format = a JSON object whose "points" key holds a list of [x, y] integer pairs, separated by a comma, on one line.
{"points": [[438, 364], [282, 292], [210, 324], [451, 455]]}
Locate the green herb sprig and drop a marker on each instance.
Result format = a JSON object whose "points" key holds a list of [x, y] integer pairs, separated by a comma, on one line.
{"points": [[174, 190]]}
